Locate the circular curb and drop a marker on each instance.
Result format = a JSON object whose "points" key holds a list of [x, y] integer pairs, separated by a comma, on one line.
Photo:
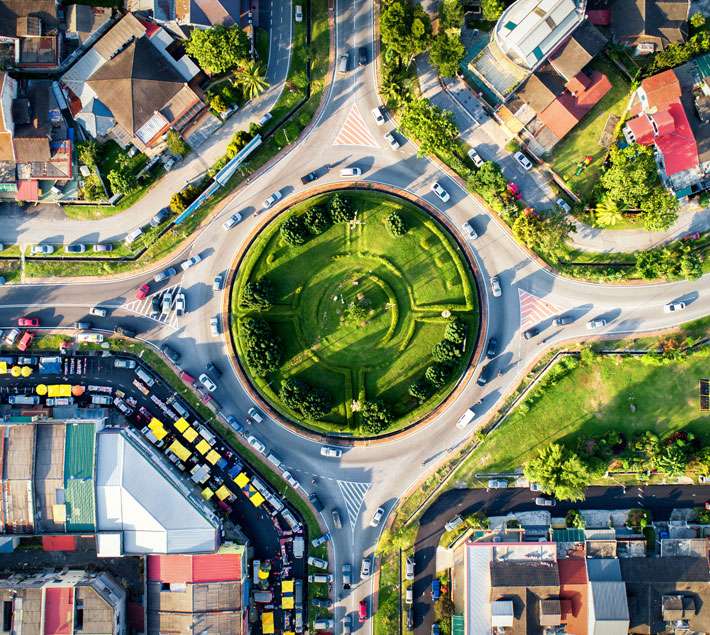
{"points": [[322, 437]]}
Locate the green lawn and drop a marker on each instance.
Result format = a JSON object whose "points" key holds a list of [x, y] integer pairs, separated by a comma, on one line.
{"points": [[584, 138], [596, 397], [402, 285]]}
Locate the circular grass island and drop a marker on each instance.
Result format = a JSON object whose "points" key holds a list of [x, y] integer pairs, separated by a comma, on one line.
{"points": [[354, 313]]}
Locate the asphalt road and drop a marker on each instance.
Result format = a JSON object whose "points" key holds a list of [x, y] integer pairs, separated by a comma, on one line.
{"points": [[661, 500]]}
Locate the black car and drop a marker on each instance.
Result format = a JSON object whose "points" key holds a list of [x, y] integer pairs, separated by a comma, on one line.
{"points": [[170, 353], [155, 307], [563, 320], [531, 332], [76, 248], [362, 56], [410, 618], [159, 217], [492, 348], [82, 326], [316, 502], [213, 370], [311, 176], [122, 330], [483, 377], [321, 603]]}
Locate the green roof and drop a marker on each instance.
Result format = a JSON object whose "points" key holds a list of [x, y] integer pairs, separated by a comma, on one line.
{"points": [[79, 451], [79, 495], [457, 626], [568, 535]]}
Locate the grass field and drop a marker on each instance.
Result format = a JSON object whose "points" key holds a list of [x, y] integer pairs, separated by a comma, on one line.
{"points": [[594, 398], [584, 138], [402, 286]]}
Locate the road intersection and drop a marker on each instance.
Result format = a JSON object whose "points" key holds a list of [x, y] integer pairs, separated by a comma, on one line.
{"points": [[364, 478]]}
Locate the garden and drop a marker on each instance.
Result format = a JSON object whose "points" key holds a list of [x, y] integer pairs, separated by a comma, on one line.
{"points": [[354, 313]]}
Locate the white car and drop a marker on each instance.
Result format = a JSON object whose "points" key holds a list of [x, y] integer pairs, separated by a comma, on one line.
{"points": [[214, 326], [563, 205], [469, 231], [180, 304], [497, 483], [190, 262], [218, 282], [440, 191], [167, 302], [351, 172], [331, 453], [273, 199], [495, 287], [596, 324], [288, 477], [207, 382], [299, 13], [541, 501], [393, 143], [256, 444], [42, 249], [379, 513], [524, 162], [475, 157], [379, 117], [674, 307], [232, 221], [365, 567], [98, 311]]}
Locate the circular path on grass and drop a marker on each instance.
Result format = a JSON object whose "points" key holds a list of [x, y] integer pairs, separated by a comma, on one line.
{"points": [[357, 310]]}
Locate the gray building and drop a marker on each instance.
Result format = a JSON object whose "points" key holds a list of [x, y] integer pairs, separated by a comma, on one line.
{"points": [[608, 608]]}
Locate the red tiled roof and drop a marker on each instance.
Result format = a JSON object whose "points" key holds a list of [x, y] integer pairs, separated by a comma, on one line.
{"points": [[599, 17], [59, 543], [573, 594], [216, 567], [642, 129], [572, 571], [58, 610], [27, 190], [661, 89], [664, 122], [679, 149]]}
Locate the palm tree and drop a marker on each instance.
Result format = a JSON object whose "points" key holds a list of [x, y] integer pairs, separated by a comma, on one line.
{"points": [[251, 79], [607, 213]]}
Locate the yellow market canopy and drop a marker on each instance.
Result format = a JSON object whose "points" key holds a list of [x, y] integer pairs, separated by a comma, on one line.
{"points": [[207, 493], [223, 492], [180, 450], [181, 425], [213, 456], [241, 479], [190, 434], [203, 447]]}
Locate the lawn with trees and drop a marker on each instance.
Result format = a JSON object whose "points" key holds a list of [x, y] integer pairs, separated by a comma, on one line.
{"points": [[354, 313]]}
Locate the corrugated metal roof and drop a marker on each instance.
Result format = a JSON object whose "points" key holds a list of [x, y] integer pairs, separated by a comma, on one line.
{"points": [[215, 567], [58, 610], [80, 505], [79, 452], [603, 570], [609, 599]]}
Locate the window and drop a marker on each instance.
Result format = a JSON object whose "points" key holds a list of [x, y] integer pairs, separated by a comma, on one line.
{"points": [[7, 615]]}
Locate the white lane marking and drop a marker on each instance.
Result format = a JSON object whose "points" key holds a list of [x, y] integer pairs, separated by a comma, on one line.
{"points": [[354, 494]]}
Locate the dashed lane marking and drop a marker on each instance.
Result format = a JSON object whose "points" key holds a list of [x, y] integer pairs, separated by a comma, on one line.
{"points": [[143, 307], [534, 309], [355, 131], [354, 494]]}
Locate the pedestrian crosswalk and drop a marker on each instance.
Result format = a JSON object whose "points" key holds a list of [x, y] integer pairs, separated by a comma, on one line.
{"points": [[145, 307], [355, 131], [353, 493], [534, 309]]}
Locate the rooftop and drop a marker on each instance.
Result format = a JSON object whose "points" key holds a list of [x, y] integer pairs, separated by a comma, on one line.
{"points": [[660, 22]]}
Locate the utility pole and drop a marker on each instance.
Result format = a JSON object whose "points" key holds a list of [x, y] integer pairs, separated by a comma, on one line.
{"points": [[400, 590]]}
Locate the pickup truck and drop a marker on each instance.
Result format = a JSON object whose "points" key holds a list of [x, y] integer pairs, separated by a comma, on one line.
{"points": [[308, 178]]}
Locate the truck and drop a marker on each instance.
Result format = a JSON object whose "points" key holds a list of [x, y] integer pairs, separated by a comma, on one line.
{"points": [[465, 419], [23, 400]]}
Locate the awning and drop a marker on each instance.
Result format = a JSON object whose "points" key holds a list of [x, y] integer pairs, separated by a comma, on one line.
{"points": [[180, 450], [203, 447], [286, 586], [59, 390], [156, 426], [287, 602], [241, 479], [223, 492], [190, 434], [213, 456], [181, 425]]}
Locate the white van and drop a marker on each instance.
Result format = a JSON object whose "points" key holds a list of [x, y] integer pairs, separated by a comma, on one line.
{"points": [[145, 377], [343, 64], [274, 460], [465, 419], [350, 172], [133, 236], [256, 415]]}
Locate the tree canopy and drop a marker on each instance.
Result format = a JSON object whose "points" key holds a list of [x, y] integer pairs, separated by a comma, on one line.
{"points": [[559, 472], [219, 48], [446, 53], [433, 128], [405, 28]]}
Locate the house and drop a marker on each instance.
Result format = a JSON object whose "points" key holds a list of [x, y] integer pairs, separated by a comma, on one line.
{"points": [[29, 33], [197, 593], [131, 87], [198, 13], [86, 23], [649, 25], [67, 602], [608, 608]]}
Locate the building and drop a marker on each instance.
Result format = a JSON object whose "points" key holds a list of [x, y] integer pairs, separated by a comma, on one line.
{"points": [[133, 87], [29, 33], [199, 13], [608, 609], [86, 23], [196, 594], [649, 25], [63, 603]]}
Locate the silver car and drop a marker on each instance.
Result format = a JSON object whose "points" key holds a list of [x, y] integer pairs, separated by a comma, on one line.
{"points": [[214, 326], [495, 287], [232, 221], [469, 231], [393, 143], [273, 199], [596, 324]]}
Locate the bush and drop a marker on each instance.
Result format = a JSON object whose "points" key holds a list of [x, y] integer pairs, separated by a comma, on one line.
{"points": [[121, 178], [293, 230], [341, 210], [88, 152], [455, 331], [420, 390], [396, 224], [317, 219], [376, 416], [446, 351], [311, 402], [574, 519], [176, 144], [92, 190], [262, 347], [180, 200], [437, 374], [257, 294]]}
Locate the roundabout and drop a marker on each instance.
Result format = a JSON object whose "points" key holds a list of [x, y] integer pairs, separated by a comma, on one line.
{"points": [[354, 314]]}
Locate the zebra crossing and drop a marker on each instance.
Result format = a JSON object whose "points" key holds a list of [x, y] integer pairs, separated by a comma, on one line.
{"points": [[354, 494], [144, 307], [355, 131]]}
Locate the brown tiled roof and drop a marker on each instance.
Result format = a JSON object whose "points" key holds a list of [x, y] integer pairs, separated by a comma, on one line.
{"points": [[13, 14], [664, 21], [541, 88], [581, 48], [126, 29]]}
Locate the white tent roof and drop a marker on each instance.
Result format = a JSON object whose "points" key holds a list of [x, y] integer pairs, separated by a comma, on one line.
{"points": [[136, 496]]}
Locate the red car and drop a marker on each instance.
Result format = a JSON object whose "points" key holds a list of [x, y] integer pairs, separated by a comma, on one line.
{"points": [[28, 322], [25, 341], [362, 611], [142, 292], [514, 190], [693, 236]]}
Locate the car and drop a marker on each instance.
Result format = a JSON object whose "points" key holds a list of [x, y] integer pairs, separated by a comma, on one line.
{"points": [[377, 518], [378, 116], [273, 199], [82, 326], [692, 236], [563, 320], [190, 262], [165, 274], [674, 307], [256, 444], [469, 231], [122, 330], [100, 247], [531, 332], [347, 575], [142, 292], [409, 568], [218, 282], [232, 221], [155, 307], [466, 418], [319, 563], [362, 611], [390, 139], [98, 311], [180, 304], [159, 217], [130, 364], [42, 249], [214, 326], [492, 348], [563, 205], [435, 630], [351, 171], [298, 16], [337, 522], [239, 428], [343, 64], [346, 625], [541, 501], [454, 523], [287, 476], [365, 567], [11, 336], [167, 301], [207, 382], [214, 370], [524, 162], [316, 502], [170, 353], [535, 487], [322, 539], [321, 578], [265, 119], [25, 321], [475, 157], [497, 483], [331, 453], [596, 323], [440, 191], [309, 178], [321, 603], [484, 375], [25, 341], [495, 287], [409, 595], [256, 415], [362, 56], [76, 248]]}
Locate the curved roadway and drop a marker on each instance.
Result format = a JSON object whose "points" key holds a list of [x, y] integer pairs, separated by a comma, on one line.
{"points": [[365, 477]]}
